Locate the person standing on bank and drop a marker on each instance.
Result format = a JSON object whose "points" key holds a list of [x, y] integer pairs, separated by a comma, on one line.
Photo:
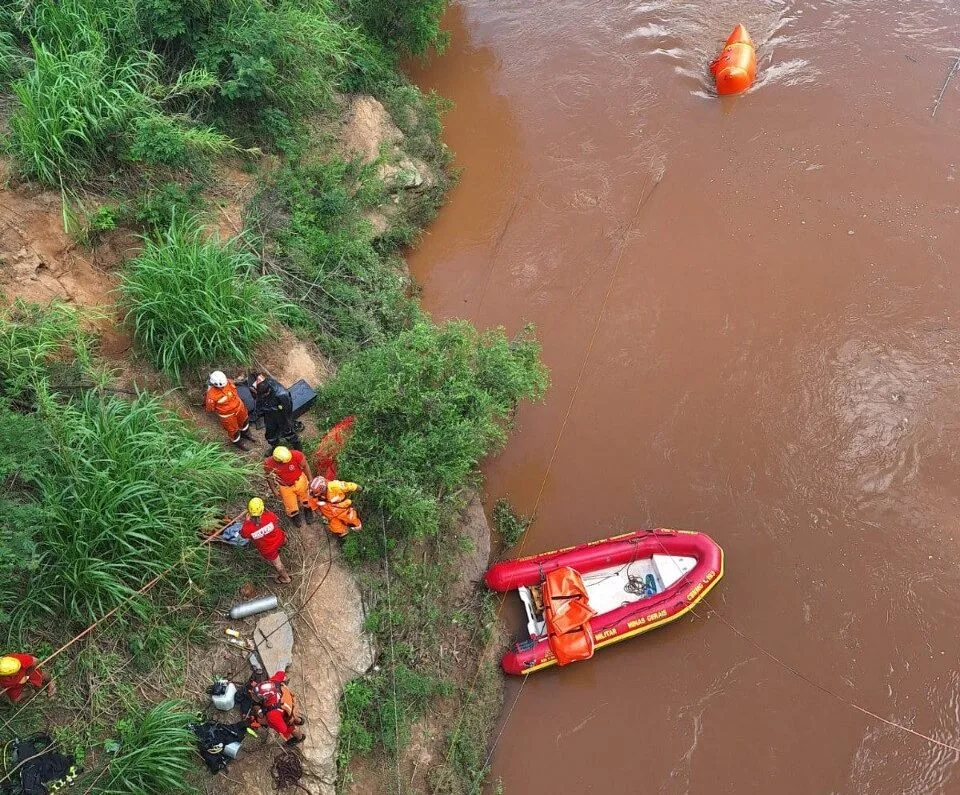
{"points": [[288, 476], [275, 405], [223, 400], [263, 528]]}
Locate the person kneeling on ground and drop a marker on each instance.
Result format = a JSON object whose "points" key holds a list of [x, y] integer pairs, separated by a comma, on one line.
{"points": [[275, 706], [330, 498], [289, 474], [19, 670], [263, 528], [223, 400]]}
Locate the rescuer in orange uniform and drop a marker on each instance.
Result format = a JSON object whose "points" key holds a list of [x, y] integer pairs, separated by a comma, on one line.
{"points": [[263, 528], [224, 401], [289, 474], [19, 670], [330, 498]]}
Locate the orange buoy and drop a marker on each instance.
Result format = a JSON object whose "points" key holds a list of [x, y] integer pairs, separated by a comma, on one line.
{"points": [[736, 67]]}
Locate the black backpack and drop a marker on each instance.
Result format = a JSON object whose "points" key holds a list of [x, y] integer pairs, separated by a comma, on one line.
{"points": [[212, 737], [35, 768]]}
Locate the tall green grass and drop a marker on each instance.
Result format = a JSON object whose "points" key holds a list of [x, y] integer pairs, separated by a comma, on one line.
{"points": [[192, 299], [156, 752], [72, 106], [125, 487]]}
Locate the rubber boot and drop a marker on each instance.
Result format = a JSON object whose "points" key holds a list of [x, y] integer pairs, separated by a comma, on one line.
{"points": [[245, 433], [297, 519], [308, 515], [241, 445]]}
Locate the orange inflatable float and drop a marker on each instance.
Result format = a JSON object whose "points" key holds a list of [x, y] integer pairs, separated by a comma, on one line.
{"points": [[736, 67]]}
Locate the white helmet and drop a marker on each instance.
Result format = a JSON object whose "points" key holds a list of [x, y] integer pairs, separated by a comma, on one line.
{"points": [[218, 379]]}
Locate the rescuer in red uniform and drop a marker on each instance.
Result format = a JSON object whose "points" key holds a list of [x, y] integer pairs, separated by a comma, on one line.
{"points": [[263, 528]]}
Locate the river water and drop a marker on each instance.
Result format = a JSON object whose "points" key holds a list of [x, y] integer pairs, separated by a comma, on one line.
{"points": [[750, 310]]}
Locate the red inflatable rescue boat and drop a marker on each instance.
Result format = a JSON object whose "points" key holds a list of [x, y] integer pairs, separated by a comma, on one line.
{"points": [[586, 597], [736, 67]]}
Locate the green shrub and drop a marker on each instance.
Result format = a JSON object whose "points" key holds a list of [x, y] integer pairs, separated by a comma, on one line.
{"points": [[156, 752], [13, 63], [158, 207], [411, 26], [430, 404], [192, 300], [510, 525], [331, 264]]}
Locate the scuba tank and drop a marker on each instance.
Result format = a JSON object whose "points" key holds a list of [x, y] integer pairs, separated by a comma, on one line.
{"points": [[223, 694]]}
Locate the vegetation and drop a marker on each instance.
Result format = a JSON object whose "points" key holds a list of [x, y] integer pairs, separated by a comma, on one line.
{"points": [[193, 299], [510, 525], [105, 490], [155, 752], [430, 403]]}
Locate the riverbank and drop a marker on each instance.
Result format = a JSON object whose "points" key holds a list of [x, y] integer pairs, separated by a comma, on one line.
{"points": [[297, 194]]}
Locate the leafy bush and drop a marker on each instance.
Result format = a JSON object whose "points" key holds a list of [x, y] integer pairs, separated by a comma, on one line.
{"points": [[429, 405], [194, 300], [159, 207], [156, 752], [330, 263], [412, 26], [510, 525]]}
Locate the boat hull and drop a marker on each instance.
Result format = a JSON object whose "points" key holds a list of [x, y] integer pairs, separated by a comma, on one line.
{"points": [[630, 619]]}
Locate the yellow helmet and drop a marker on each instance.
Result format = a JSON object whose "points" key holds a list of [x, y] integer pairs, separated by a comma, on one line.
{"points": [[255, 507], [282, 454], [9, 666]]}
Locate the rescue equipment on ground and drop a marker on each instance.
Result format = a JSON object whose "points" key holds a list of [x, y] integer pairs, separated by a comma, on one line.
{"points": [[254, 606], [287, 770], [735, 69], [31, 766], [624, 585], [217, 742], [223, 695]]}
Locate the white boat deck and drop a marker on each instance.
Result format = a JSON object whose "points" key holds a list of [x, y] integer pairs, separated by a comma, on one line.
{"points": [[608, 589]]}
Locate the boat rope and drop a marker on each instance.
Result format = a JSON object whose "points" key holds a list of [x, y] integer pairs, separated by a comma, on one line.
{"points": [[189, 553], [503, 726], [800, 675], [393, 666]]}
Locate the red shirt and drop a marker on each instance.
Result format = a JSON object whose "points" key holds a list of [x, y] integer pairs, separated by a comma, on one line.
{"points": [[20, 677], [267, 536], [288, 473], [272, 707]]}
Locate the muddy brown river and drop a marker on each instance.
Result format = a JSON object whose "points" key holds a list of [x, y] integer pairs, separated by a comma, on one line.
{"points": [[750, 310]]}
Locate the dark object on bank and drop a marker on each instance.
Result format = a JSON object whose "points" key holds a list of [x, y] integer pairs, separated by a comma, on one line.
{"points": [[274, 405], [33, 767], [303, 396], [218, 743]]}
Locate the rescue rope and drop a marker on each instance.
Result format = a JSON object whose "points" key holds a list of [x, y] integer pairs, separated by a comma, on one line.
{"points": [[393, 667], [287, 771], [204, 545], [621, 248]]}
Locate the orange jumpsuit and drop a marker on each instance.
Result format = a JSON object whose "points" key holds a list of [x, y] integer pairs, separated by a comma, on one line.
{"points": [[336, 507], [228, 406]]}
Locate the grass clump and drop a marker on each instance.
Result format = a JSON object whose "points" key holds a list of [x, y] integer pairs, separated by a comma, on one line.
{"points": [[510, 525], [123, 489], [156, 751], [192, 299]]}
